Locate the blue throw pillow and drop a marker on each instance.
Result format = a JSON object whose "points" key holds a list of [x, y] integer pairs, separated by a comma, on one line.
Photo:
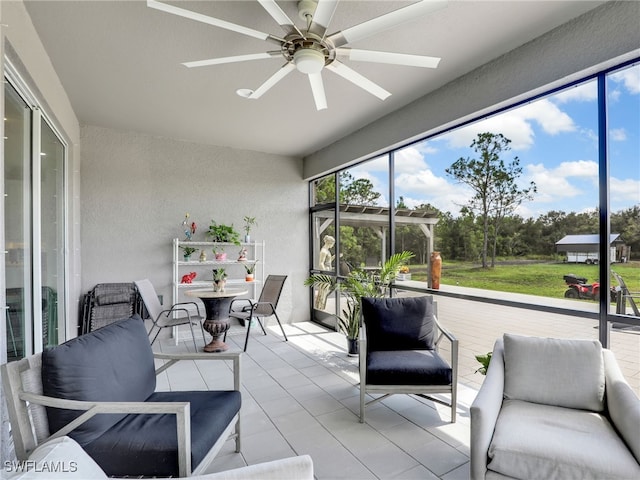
{"points": [[399, 323]]}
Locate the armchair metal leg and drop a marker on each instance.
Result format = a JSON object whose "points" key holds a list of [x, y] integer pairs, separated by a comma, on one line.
{"points": [[362, 402], [156, 336], [281, 328]]}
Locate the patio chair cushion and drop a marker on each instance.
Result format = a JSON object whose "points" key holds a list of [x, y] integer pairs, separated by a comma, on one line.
{"points": [[125, 446], [98, 367], [560, 372], [407, 367], [543, 441], [399, 323]]}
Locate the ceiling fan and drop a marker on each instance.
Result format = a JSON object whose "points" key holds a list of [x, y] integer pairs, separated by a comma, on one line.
{"points": [[310, 50]]}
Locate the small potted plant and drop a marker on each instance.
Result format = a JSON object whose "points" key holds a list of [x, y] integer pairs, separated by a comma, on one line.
{"points": [[249, 222], [220, 254], [187, 252], [250, 269], [219, 279], [484, 361], [358, 284], [223, 233]]}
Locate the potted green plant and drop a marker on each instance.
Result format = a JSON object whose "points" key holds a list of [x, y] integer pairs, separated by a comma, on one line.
{"points": [[187, 252], [249, 222], [358, 284], [219, 279], [223, 233], [484, 362], [219, 253], [250, 269]]}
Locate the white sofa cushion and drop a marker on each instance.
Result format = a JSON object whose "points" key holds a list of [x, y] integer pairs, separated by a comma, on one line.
{"points": [[536, 441], [560, 372], [64, 458], [56, 459]]}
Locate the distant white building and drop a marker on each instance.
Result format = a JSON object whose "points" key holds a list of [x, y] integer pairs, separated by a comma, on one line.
{"points": [[585, 248]]}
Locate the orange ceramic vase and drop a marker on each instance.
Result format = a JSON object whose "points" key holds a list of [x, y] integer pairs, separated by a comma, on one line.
{"points": [[436, 268]]}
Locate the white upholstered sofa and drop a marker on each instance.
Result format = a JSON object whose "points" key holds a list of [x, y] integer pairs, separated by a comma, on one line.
{"points": [[554, 409], [63, 458]]}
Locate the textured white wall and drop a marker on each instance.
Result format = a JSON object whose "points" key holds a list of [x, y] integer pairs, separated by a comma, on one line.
{"points": [[568, 52], [137, 189]]}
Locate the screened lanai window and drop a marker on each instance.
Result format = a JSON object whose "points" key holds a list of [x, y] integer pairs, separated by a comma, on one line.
{"points": [[512, 202]]}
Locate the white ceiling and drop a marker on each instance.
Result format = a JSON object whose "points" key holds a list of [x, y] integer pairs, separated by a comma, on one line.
{"points": [[120, 63]]}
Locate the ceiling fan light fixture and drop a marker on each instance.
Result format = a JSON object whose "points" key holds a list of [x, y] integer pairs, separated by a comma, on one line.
{"points": [[308, 60], [244, 92]]}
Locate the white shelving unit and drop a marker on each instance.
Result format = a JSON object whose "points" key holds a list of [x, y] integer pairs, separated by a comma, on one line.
{"points": [[204, 270]]}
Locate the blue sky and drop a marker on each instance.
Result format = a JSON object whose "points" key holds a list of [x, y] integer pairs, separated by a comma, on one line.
{"points": [[555, 139]]}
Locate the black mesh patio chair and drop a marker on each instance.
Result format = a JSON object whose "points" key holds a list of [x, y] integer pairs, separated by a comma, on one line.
{"points": [[246, 310], [177, 314]]}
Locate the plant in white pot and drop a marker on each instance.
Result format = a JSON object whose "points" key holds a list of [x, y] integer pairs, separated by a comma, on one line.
{"points": [[358, 284], [250, 268], [249, 222]]}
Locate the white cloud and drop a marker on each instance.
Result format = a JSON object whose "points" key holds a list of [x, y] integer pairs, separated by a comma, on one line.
{"points": [[626, 190], [618, 134], [409, 160], [516, 125], [630, 78], [555, 184], [585, 92], [423, 186]]}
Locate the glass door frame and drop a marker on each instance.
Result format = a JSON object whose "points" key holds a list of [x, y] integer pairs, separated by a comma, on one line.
{"points": [[34, 327]]}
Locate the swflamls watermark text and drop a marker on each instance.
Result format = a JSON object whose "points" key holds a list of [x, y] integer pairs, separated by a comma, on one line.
{"points": [[57, 466]]}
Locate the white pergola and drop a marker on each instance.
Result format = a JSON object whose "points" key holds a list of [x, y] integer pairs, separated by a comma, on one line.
{"points": [[378, 219]]}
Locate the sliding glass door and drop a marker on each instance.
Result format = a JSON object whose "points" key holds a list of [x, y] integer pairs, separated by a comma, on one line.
{"points": [[34, 227]]}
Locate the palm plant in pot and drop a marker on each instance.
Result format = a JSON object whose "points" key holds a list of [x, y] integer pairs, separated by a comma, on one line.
{"points": [[358, 284]]}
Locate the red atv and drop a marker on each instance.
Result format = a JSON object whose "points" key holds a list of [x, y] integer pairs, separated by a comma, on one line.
{"points": [[579, 288]]}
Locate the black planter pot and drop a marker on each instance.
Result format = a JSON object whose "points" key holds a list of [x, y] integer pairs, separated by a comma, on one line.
{"points": [[352, 347]]}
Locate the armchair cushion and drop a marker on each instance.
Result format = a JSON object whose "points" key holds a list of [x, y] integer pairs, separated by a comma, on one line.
{"points": [[543, 441], [211, 412], [560, 372], [407, 367], [399, 323], [98, 367]]}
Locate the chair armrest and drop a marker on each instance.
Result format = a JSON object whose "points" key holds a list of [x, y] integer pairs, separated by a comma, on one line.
{"points": [[300, 468], [173, 358], [362, 354], [484, 412], [187, 303], [180, 409], [622, 403], [241, 300]]}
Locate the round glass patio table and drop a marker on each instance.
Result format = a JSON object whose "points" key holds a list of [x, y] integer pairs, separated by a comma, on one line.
{"points": [[216, 304]]}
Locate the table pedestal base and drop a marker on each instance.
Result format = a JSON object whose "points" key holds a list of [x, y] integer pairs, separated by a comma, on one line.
{"points": [[217, 330]]}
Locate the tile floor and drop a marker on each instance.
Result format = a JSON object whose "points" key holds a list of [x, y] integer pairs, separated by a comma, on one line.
{"points": [[301, 396]]}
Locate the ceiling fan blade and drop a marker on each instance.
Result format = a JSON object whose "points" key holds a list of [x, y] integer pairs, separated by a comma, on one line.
{"points": [[233, 59], [216, 22], [278, 15], [322, 16], [388, 57], [317, 87], [384, 22], [272, 80], [357, 79]]}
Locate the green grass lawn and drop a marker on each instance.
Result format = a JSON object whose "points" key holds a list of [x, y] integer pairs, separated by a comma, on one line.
{"points": [[543, 279]]}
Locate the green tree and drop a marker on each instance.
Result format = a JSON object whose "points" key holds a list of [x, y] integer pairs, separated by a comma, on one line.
{"points": [[493, 182], [358, 191]]}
